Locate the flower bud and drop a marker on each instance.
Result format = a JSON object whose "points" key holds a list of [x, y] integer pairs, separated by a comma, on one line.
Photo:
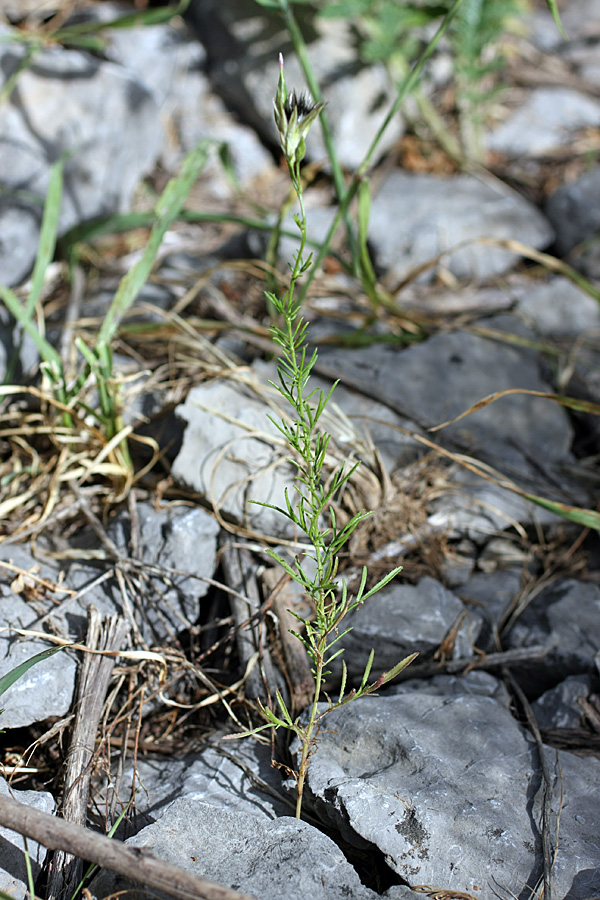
{"points": [[294, 116]]}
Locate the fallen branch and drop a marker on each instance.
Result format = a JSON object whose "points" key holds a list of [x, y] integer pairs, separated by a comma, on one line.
{"points": [[94, 678], [134, 863]]}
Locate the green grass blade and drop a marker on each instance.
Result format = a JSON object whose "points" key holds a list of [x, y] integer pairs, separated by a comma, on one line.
{"points": [[49, 231], [166, 211], [45, 349], [553, 7], [9, 679], [403, 91], [10, 83], [589, 518]]}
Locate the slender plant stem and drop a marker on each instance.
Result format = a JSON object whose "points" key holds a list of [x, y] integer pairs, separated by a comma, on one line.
{"points": [[337, 174], [404, 90]]}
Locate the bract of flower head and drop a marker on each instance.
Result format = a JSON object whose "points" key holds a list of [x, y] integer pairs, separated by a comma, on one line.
{"points": [[294, 116]]}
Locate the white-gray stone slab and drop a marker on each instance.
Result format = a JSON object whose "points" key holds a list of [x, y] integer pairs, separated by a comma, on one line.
{"points": [[574, 210], [564, 618], [265, 859], [442, 377], [558, 307], [416, 217], [47, 688], [559, 707], [178, 545], [544, 122], [102, 119], [229, 455], [447, 787]]}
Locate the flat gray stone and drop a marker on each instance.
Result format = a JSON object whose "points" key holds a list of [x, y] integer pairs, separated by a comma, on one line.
{"points": [[46, 690], [469, 506], [68, 102], [564, 618], [403, 619], [229, 455], [265, 859], [545, 122], [416, 217], [574, 210], [177, 549], [442, 377], [179, 542], [447, 788], [559, 707], [13, 869], [558, 307], [212, 778], [492, 595]]}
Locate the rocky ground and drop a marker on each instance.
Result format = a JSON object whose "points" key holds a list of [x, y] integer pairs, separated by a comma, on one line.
{"points": [[477, 773]]}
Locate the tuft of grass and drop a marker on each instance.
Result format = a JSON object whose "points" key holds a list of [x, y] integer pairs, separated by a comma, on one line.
{"points": [[70, 394]]}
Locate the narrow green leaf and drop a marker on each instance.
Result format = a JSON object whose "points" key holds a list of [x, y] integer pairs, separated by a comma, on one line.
{"points": [[553, 7], [249, 733], [44, 347], [381, 584], [344, 679], [9, 679], [367, 672], [389, 676], [589, 518], [48, 233], [284, 709], [166, 211]]}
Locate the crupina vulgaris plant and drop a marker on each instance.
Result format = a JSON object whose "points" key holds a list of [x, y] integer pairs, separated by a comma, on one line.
{"points": [[311, 512]]}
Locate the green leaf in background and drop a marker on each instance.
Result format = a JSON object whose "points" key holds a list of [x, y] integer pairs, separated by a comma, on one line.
{"points": [[9, 679], [553, 7], [49, 231], [166, 211]]}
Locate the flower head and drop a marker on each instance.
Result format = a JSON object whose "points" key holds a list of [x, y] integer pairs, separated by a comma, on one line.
{"points": [[294, 115]]}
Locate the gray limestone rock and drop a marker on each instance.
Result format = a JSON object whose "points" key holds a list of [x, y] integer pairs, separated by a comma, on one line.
{"points": [[544, 122], [442, 377], [13, 870], [227, 775], [102, 119], [178, 545], [266, 859], [403, 619], [47, 688], [177, 551], [564, 618], [558, 307], [492, 595], [416, 217], [574, 210], [474, 684], [448, 789], [232, 454], [559, 707]]}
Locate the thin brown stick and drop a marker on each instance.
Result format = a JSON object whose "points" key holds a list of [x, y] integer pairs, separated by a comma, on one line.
{"points": [[134, 863], [546, 781], [94, 678], [483, 661], [239, 572]]}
